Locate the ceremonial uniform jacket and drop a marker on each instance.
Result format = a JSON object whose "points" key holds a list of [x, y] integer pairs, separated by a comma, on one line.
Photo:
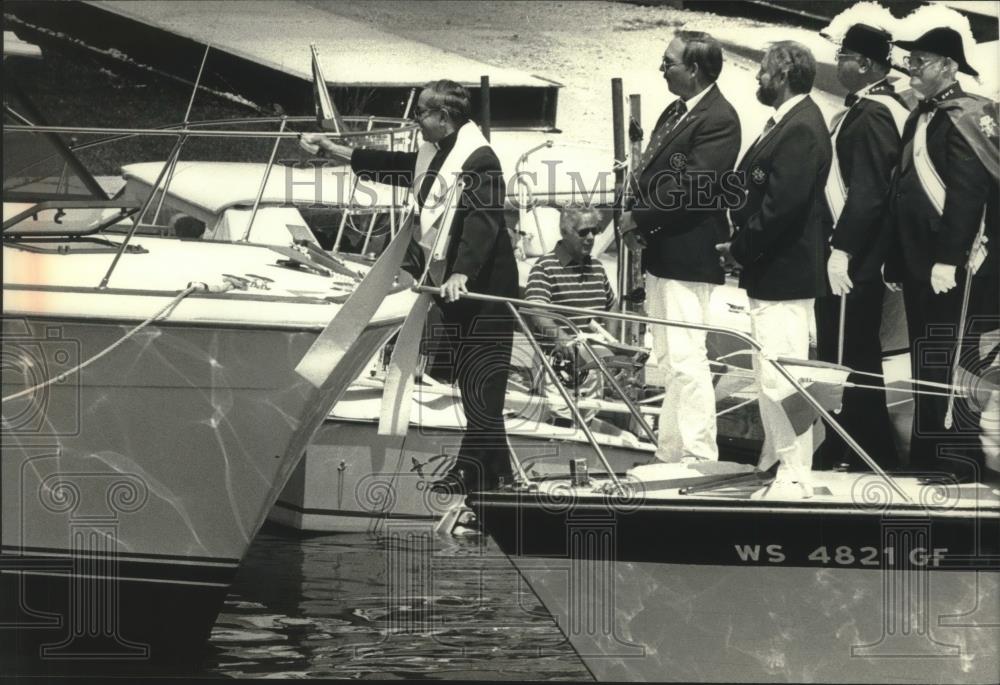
{"points": [[479, 245], [868, 147], [922, 236], [680, 205], [779, 238]]}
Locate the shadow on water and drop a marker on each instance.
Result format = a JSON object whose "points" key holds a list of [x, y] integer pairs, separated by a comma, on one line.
{"points": [[404, 604]]}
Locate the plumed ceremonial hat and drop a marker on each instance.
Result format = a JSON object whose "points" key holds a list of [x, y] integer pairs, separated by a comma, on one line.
{"points": [[870, 41], [941, 41]]}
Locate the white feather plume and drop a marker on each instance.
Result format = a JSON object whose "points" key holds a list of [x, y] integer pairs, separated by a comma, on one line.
{"points": [[927, 17], [870, 13]]}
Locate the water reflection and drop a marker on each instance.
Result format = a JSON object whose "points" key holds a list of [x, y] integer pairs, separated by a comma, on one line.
{"points": [[407, 604]]}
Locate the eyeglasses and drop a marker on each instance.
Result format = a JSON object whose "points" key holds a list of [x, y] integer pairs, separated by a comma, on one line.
{"points": [[918, 63], [420, 113], [584, 232], [668, 64], [843, 55]]}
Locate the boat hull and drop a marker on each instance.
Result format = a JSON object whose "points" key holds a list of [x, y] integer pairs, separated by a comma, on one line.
{"points": [[353, 480], [132, 490], [714, 623], [711, 588]]}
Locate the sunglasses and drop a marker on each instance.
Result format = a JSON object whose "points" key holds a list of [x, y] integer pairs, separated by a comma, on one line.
{"points": [[584, 232]]}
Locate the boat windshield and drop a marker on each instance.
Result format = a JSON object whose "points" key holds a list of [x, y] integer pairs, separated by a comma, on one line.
{"points": [[63, 217], [40, 166]]}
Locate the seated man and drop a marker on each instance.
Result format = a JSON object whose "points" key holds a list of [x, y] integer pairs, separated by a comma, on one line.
{"points": [[569, 276]]}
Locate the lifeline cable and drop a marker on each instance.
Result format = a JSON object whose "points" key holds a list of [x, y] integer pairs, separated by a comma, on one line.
{"points": [[193, 287]]}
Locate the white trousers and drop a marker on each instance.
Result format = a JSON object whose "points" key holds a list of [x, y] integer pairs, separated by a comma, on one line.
{"points": [[687, 417], [782, 328]]}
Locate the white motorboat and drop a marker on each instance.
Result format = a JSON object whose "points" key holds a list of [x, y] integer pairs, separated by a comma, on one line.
{"points": [[153, 410]]}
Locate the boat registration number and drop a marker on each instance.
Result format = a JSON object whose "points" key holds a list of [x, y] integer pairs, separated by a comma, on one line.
{"points": [[843, 555]]}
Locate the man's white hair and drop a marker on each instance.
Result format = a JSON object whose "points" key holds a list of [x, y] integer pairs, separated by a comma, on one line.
{"points": [[572, 217]]}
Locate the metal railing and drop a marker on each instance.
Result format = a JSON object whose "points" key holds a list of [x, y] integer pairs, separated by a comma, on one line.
{"points": [[391, 129], [515, 304]]}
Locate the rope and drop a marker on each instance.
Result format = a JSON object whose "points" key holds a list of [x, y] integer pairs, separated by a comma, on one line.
{"points": [[193, 287]]}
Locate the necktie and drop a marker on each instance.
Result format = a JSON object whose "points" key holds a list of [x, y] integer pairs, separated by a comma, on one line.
{"points": [[677, 110], [850, 99], [926, 106], [768, 125]]}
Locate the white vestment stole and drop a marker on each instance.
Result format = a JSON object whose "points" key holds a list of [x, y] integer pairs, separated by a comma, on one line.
{"points": [[441, 203], [936, 191], [836, 188]]}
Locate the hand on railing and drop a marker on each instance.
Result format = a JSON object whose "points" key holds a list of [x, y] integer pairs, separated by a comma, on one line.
{"points": [[320, 144]]}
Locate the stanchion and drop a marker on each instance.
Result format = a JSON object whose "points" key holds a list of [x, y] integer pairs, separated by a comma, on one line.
{"points": [[618, 128]]}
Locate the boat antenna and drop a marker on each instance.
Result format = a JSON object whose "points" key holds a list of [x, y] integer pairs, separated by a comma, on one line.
{"points": [[183, 139], [409, 103]]}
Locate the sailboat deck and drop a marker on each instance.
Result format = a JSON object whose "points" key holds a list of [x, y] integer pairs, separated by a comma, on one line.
{"points": [[832, 490]]}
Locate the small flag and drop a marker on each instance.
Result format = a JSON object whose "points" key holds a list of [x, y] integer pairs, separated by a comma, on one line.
{"points": [[346, 326], [327, 117], [394, 418], [825, 382]]}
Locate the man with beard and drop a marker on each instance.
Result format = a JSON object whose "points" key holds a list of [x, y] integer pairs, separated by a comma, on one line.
{"points": [[943, 203], [677, 219], [866, 147], [477, 336], [778, 240]]}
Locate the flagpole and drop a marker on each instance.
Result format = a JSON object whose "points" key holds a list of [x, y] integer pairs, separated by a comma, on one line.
{"points": [[618, 131]]}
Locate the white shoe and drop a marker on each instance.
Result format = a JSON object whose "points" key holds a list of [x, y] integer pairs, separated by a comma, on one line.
{"points": [[785, 490]]}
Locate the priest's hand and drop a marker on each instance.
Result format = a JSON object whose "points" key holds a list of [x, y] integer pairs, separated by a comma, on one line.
{"points": [[943, 278], [836, 272], [453, 288], [314, 143]]}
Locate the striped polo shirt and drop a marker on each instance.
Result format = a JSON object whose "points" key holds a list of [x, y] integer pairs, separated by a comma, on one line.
{"points": [[559, 279]]}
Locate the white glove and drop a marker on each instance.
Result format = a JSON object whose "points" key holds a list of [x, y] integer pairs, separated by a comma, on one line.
{"points": [[836, 272], [942, 278]]}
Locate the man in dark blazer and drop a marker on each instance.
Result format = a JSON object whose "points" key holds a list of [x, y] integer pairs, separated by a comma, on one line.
{"points": [[677, 218], [944, 198], [476, 338], [866, 146], [779, 243]]}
